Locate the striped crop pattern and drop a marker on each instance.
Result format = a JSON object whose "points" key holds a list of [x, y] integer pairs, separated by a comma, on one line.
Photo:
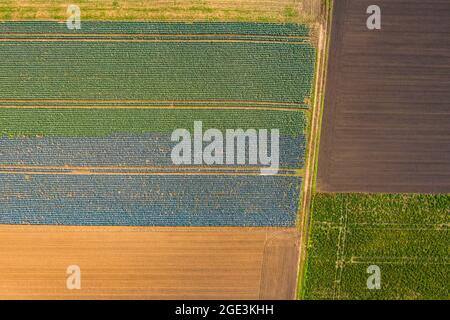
{"points": [[86, 118]]}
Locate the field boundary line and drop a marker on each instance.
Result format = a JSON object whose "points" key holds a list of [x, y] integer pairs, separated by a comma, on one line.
{"points": [[436, 228], [315, 124], [397, 224], [153, 173], [39, 229], [327, 225], [150, 40], [296, 109], [167, 102], [398, 260], [173, 35], [118, 167]]}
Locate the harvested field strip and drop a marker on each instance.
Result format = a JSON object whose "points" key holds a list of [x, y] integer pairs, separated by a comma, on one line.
{"points": [[406, 236], [144, 262], [280, 253], [120, 71], [184, 200], [127, 170], [139, 150], [101, 122]]}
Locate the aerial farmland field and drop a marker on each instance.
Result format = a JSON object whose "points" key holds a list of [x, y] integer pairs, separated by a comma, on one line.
{"points": [[148, 263], [385, 130], [386, 120], [406, 236], [224, 149], [285, 11], [137, 83], [87, 118]]}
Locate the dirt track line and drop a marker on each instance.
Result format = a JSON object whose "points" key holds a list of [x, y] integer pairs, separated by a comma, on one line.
{"points": [[80, 35], [313, 146], [39, 229], [397, 260], [385, 226], [116, 173], [72, 167], [361, 225], [168, 102], [147, 40], [158, 107]]}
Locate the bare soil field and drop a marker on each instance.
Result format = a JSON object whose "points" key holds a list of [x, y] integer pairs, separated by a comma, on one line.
{"points": [[148, 263], [386, 121]]}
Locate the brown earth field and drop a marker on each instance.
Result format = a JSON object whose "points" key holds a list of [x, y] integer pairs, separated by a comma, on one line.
{"points": [[386, 121], [148, 262]]}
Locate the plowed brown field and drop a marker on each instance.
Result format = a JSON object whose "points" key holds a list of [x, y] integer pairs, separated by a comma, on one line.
{"points": [[386, 122]]}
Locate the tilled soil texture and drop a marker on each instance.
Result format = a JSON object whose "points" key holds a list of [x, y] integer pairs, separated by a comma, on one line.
{"points": [[386, 121], [148, 263]]}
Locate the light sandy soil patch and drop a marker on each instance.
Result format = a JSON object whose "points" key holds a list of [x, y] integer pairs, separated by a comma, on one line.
{"points": [[148, 263]]}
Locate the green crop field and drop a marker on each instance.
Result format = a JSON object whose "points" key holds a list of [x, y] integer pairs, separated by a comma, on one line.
{"points": [[406, 236], [156, 70], [123, 77], [102, 122]]}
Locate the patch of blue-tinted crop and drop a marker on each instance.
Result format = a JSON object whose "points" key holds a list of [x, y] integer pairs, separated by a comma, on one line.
{"points": [[153, 149], [149, 200]]}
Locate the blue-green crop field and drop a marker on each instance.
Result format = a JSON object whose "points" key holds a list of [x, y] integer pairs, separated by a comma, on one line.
{"points": [[86, 118]]}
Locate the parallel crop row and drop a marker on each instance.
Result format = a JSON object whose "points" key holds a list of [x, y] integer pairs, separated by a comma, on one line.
{"points": [[92, 27], [151, 149], [149, 200], [17, 122], [76, 70]]}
